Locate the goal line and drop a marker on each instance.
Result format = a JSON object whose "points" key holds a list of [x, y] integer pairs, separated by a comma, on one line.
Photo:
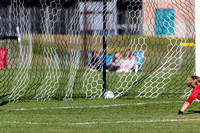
{"points": [[95, 106], [100, 122]]}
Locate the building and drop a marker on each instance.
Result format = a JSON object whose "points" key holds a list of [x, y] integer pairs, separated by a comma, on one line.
{"points": [[141, 17], [168, 18]]}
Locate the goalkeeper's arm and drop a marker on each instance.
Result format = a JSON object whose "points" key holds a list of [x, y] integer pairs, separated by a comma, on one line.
{"points": [[187, 103], [183, 108]]}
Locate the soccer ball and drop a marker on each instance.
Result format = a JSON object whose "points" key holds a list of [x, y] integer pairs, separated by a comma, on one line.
{"points": [[108, 95]]}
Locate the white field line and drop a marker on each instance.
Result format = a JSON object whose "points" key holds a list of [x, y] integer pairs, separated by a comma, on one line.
{"points": [[96, 106], [93, 123]]}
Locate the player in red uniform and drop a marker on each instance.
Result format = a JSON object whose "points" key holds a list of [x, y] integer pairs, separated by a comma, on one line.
{"points": [[192, 82]]}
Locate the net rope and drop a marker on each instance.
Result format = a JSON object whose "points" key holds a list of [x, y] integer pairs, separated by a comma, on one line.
{"points": [[59, 45], [21, 81], [49, 13], [158, 80]]}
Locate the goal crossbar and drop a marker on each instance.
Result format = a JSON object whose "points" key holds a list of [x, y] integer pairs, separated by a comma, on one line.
{"points": [[3, 37]]}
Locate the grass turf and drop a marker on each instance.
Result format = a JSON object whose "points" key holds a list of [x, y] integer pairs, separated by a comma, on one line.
{"points": [[146, 117]]}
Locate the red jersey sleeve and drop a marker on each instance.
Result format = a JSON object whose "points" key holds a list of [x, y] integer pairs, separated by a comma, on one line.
{"points": [[190, 99], [195, 94]]}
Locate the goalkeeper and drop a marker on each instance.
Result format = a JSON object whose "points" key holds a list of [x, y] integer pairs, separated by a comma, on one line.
{"points": [[192, 82]]}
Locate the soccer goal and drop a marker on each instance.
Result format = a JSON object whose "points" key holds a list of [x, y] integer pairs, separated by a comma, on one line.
{"points": [[55, 49]]}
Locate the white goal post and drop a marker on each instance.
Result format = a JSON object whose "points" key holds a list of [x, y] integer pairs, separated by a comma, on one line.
{"points": [[197, 35]]}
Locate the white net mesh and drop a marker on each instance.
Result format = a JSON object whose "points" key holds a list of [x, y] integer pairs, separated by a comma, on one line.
{"points": [[74, 42], [158, 81], [60, 52], [173, 26], [22, 78], [49, 15], [92, 79]]}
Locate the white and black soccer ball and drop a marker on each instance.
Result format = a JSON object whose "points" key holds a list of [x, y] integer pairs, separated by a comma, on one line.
{"points": [[108, 95]]}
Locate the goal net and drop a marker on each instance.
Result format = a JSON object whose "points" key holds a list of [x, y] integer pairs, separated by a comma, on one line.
{"points": [[76, 49]]}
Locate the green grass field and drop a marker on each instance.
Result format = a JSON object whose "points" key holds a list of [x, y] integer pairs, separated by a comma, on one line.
{"points": [[99, 115]]}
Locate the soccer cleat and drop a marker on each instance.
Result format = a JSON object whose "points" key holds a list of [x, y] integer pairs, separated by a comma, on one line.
{"points": [[180, 112], [4, 102]]}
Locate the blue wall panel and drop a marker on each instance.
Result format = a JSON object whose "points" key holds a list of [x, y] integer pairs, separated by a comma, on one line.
{"points": [[164, 22]]}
